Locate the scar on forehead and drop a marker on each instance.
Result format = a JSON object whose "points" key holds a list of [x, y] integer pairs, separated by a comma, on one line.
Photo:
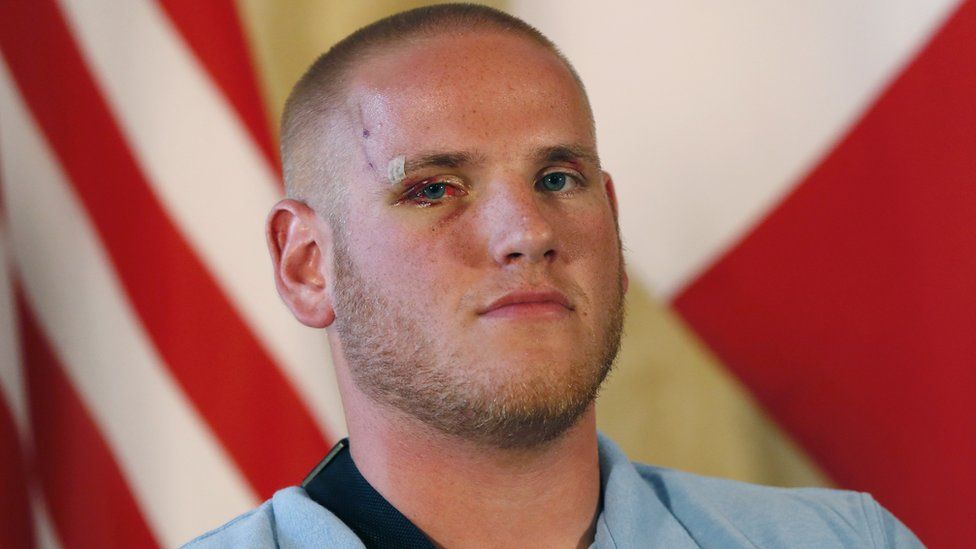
{"points": [[365, 152], [369, 160], [365, 134]]}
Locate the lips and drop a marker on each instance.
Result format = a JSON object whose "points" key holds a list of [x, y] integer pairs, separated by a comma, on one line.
{"points": [[529, 303]]}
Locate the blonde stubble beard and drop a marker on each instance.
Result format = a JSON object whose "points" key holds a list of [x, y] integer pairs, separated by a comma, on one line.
{"points": [[393, 360]]}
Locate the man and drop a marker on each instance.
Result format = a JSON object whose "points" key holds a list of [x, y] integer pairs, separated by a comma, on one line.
{"points": [[449, 224]]}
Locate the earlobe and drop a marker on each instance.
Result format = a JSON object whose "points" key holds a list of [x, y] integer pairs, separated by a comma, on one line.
{"points": [[299, 244]]}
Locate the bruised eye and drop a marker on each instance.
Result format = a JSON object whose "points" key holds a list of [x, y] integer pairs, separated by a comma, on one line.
{"points": [[556, 182], [431, 192]]}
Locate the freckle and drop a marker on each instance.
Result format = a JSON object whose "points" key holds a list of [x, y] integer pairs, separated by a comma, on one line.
{"points": [[365, 133], [371, 165]]}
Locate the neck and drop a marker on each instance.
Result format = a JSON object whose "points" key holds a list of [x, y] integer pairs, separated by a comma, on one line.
{"points": [[463, 494]]}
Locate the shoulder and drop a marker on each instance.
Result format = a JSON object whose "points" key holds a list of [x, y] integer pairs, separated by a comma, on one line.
{"points": [[764, 515], [252, 529], [643, 503], [289, 519]]}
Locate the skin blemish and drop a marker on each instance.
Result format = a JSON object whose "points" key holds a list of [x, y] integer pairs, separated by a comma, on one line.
{"points": [[365, 133]]}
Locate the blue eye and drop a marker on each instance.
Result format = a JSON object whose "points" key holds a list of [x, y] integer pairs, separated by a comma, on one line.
{"points": [[434, 192], [554, 182]]}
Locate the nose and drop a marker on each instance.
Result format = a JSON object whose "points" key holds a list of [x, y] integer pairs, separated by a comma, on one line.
{"points": [[519, 231]]}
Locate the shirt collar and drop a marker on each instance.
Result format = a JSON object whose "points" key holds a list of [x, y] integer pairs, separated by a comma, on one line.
{"points": [[635, 510], [336, 484]]}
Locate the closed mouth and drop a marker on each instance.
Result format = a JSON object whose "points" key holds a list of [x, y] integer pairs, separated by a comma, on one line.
{"points": [[531, 303]]}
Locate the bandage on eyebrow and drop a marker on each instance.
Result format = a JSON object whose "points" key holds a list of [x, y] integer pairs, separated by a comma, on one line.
{"points": [[394, 170]]}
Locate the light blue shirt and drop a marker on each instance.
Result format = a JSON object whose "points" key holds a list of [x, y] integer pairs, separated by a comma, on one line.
{"points": [[643, 507]]}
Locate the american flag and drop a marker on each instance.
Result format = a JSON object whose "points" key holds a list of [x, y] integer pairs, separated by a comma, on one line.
{"points": [[798, 188], [161, 383]]}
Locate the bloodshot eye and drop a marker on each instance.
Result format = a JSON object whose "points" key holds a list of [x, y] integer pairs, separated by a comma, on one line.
{"points": [[434, 191]]}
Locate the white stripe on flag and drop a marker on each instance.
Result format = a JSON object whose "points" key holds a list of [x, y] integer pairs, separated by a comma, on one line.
{"points": [[710, 111], [11, 372], [44, 533], [165, 451], [208, 173]]}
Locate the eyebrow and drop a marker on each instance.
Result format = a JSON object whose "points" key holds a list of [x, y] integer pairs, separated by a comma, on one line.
{"points": [[438, 160], [568, 153]]}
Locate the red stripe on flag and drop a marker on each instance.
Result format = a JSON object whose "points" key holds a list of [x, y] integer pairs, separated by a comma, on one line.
{"points": [[213, 30], [849, 310], [229, 377], [15, 511], [85, 492]]}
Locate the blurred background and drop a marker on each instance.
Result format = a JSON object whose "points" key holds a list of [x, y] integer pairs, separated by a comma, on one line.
{"points": [[798, 192]]}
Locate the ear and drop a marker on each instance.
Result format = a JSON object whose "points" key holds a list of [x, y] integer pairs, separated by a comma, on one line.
{"points": [[301, 251], [612, 197], [611, 194]]}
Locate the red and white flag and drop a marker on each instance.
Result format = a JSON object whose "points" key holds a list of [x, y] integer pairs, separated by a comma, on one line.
{"points": [[161, 386], [798, 183]]}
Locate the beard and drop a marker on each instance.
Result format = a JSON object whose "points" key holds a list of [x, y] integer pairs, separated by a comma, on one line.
{"points": [[396, 358]]}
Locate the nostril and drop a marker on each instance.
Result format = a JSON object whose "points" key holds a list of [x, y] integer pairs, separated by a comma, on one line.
{"points": [[550, 254]]}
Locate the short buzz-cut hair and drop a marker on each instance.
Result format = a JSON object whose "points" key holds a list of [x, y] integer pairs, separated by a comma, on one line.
{"points": [[309, 159]]}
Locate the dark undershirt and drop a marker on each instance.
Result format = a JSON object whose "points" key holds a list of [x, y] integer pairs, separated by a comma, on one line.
{"points": [[337, 485]]}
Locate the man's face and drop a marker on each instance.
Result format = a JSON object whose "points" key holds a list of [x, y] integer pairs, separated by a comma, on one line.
{"points": [[482, 294]]}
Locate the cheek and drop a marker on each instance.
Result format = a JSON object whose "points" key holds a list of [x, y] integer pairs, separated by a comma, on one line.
{"points": [[593, 236], [412, 259], [451, 241], [595, 260], [417, 249]]}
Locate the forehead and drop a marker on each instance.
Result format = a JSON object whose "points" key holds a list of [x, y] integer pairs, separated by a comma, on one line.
{"points": [[474, 90]]}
